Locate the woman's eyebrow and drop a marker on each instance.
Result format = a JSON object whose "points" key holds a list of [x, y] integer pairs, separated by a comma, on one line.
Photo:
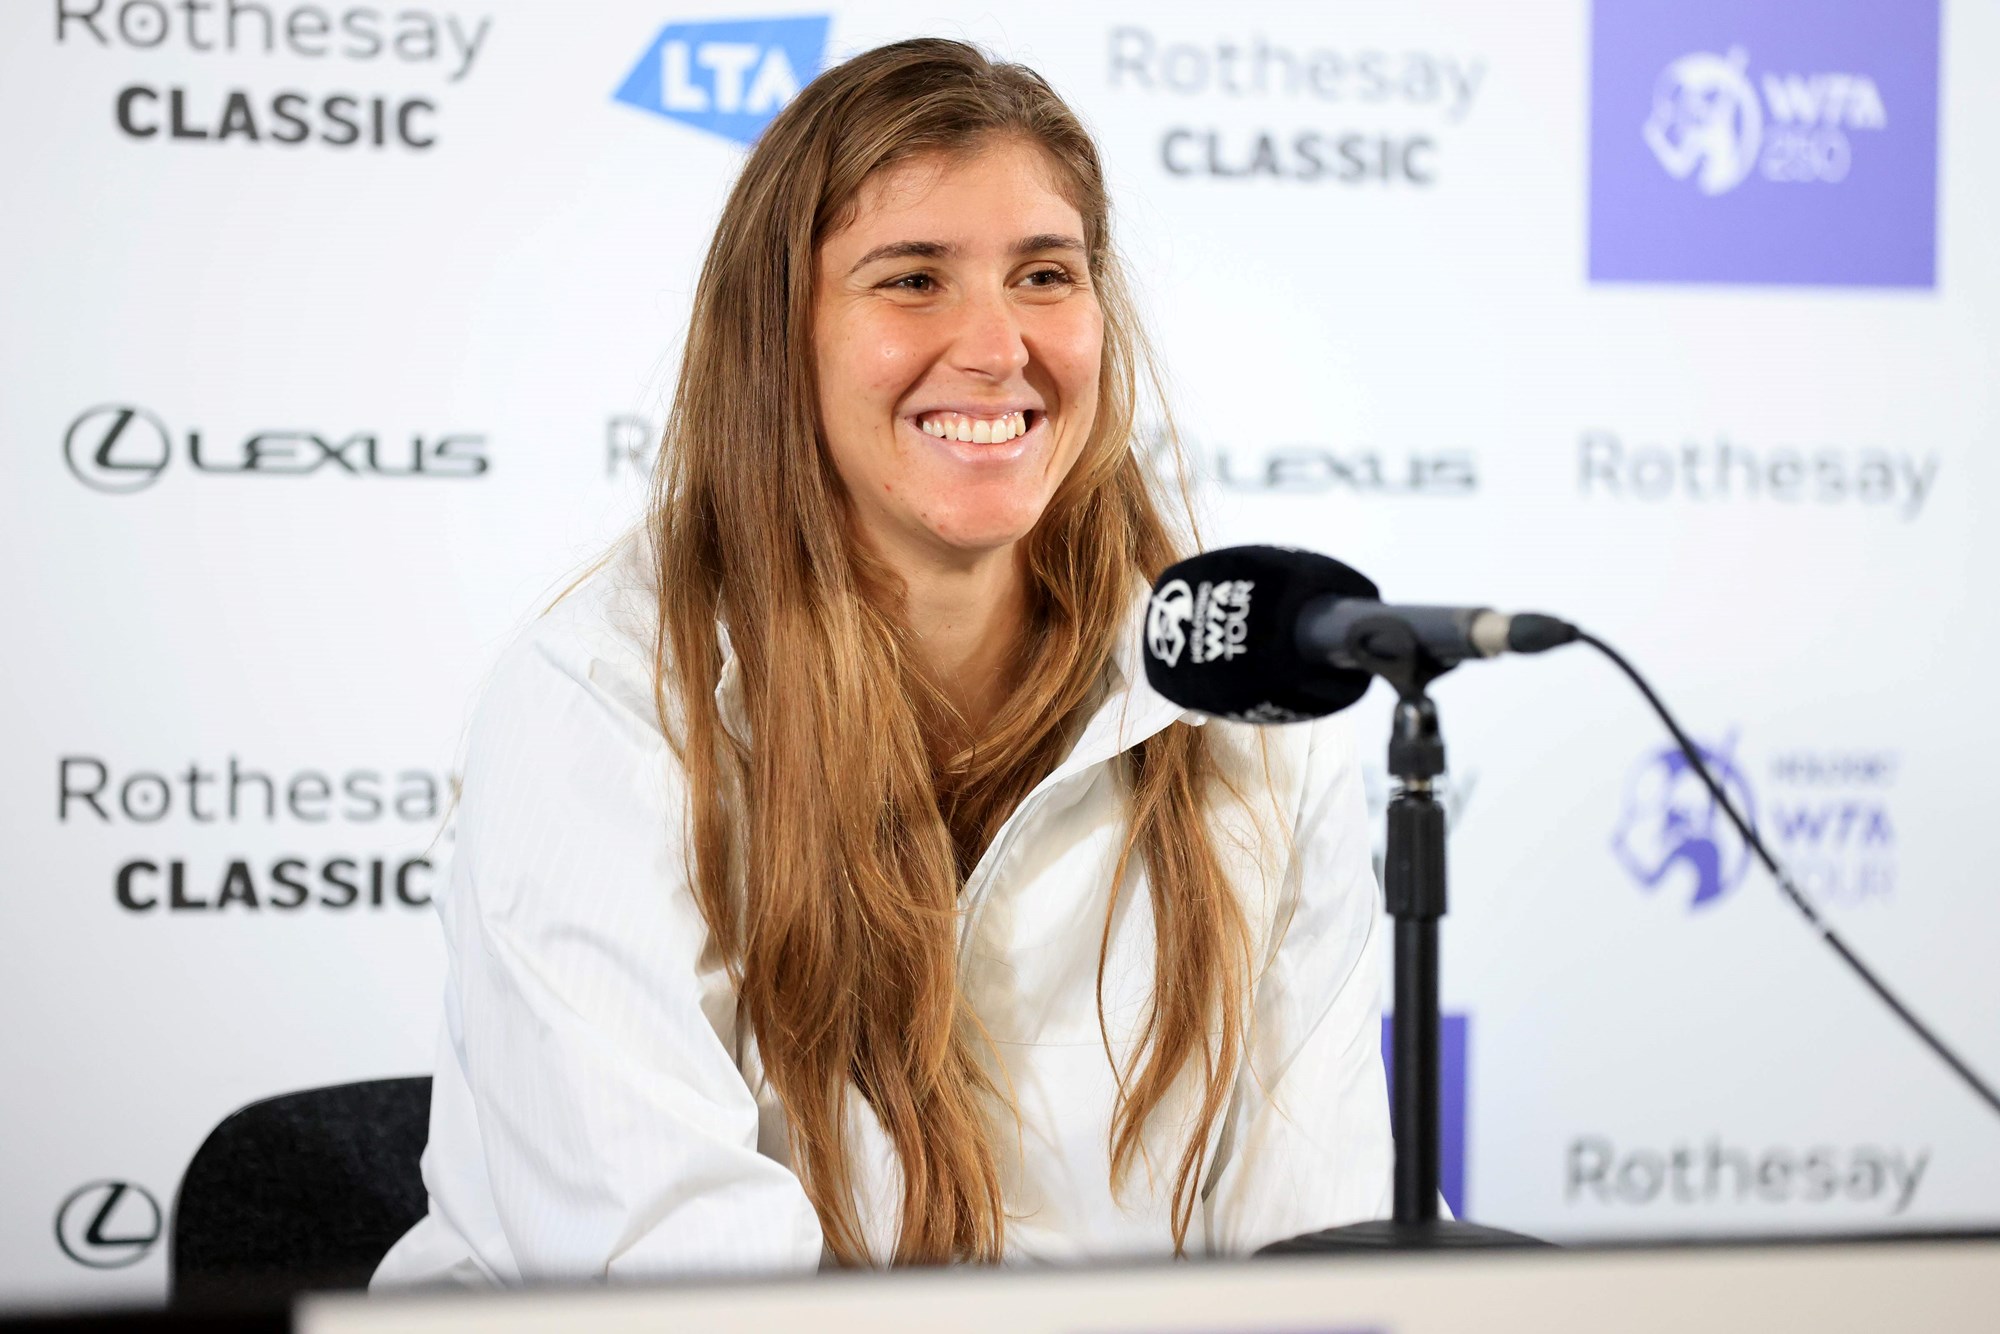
{"points": [[1027, 245], [1034, 245], [906, 250]]}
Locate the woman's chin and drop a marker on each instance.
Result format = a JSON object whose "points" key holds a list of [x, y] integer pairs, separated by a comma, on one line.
{"points": [[971, 535]]}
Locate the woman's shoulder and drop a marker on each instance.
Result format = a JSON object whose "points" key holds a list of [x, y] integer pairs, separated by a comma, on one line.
{"points": [[1295, 763], [597, 638], [567, 774]]}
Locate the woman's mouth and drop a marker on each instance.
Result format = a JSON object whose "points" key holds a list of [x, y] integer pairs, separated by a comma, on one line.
{"points": [[972, 429]]}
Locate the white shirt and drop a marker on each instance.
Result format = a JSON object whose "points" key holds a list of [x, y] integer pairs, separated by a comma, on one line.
{"points": [[598, 1111]]}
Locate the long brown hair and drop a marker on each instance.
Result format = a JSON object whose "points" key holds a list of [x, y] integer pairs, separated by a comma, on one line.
{"points": [[831, 836]]}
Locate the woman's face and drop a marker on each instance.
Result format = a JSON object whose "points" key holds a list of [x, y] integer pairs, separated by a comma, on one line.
{"points": [[958, 344]]}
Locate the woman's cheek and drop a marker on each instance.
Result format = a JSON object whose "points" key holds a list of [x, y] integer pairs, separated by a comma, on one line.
{"points": [[895, 355], [1078, 346]]}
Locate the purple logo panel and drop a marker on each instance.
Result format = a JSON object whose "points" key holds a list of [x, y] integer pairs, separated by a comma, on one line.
{"points": [[1451, 1102], [1764, 141]]}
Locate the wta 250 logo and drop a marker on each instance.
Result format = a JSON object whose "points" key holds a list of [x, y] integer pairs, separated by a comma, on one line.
{"points": [[1827, 815], [1210, 623], [1709, 125], [1774, 141], [119, 448]]}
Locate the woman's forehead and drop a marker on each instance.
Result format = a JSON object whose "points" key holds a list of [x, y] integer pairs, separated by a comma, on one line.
{"points": [[992, 191]]}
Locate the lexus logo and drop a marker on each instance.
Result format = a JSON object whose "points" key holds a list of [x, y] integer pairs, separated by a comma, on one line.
{"points": [[108, 1224], [116, 448]]}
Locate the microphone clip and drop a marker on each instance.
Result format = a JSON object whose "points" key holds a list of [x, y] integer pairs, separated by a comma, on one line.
{"points": [[1387, 647]]}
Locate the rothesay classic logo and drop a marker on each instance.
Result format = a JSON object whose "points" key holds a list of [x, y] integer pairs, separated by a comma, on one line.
{"points": [[370, 46], [120, 448], [1254, 105], [353, 840], [108, 1224], [729, 78], [1791, 142]]}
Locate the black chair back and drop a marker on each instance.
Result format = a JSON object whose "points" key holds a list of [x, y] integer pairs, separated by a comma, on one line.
{"points": [[303, 1192]]}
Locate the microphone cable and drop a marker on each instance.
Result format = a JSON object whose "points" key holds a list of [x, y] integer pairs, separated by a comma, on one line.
{"points": [[1791, 890]]}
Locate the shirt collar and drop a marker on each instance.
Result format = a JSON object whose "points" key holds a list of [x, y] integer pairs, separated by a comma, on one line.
{"points": [[1130, 711], [729, 689]]}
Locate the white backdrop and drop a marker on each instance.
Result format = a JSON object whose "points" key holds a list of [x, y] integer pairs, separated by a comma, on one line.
{"points": [[1433, 298]]}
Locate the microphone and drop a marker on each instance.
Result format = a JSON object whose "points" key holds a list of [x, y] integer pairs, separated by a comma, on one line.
{"points": [[1273, 635]]}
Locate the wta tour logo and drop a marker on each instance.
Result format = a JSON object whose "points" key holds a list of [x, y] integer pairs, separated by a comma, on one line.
{"points": [[1828, 816], [1784, 141], [1672, 833], [1211, 623], [729, 78]]}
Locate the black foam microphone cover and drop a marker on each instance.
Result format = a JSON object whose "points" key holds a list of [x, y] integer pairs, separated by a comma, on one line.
{"points": [[1222, 635]]}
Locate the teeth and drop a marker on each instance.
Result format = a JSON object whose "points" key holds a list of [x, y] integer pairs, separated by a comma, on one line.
{"points": [[974, 430]]}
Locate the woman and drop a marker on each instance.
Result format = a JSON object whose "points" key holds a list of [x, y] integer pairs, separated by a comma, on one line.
{"points": [[830, 885]]}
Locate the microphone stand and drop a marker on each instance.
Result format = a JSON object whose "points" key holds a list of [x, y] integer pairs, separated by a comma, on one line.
{"points": [[1414, 892]]}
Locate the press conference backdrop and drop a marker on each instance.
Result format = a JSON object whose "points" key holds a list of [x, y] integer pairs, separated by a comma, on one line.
{"points": [[335, 335]]}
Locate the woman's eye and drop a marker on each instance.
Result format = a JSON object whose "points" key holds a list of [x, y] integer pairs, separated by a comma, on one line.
{"points": [[913, 282], [1047, 278]]}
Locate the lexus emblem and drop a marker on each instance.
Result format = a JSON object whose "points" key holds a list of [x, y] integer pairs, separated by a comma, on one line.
{"points": [[116, 447], [108, 1224]]}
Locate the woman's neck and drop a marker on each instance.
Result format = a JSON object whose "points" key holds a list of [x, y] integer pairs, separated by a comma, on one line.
{"points": [[966, 621]]}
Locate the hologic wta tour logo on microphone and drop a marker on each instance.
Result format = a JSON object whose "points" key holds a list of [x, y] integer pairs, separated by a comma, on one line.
{"points": [[1211, 648], [1167, 621], [1783, 141], [728, 78], [1210, 622], [1826, 814]]}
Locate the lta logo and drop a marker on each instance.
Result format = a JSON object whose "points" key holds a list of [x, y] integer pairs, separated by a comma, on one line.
{"points": [[1764, 141], [1671, 831], [729, 78]]}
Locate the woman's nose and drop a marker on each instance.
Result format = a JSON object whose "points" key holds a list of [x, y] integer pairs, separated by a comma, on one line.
{"points": [[989, 340]]}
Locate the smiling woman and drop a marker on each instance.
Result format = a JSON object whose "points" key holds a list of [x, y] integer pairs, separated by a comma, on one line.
{"points": [[958, 344], [829, 883]]}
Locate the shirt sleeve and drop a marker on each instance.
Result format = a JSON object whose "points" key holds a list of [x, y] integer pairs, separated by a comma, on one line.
{"points": [[1306, 1143], [594, 1030]]}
